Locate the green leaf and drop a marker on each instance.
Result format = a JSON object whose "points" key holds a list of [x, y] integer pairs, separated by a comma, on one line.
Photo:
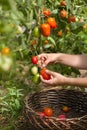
{"points": [[51, 40]]}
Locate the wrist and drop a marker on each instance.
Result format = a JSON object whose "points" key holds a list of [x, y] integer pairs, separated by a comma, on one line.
{"points": [[59, 58]]}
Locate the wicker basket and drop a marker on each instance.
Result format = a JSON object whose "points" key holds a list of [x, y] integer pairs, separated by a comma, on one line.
{"points": [[76, 117]]}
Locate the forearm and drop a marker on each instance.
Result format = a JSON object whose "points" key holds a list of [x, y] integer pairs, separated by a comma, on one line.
{"points": [[76, 61], [81, 82]]}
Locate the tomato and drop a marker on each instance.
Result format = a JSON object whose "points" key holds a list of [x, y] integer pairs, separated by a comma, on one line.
{"points": [[46, 42], [46, 12], [34, 42], [36, 78], [44, 74], [34, 59], [34, 70], [5, 51], [62, 117], [5, 62], [63, 3], [65, 108], [42, 114], [60, 33], [36, 32], [84, 26], [63, 13], [71, 19], [52, 22], [45, 29], [48, 111]]}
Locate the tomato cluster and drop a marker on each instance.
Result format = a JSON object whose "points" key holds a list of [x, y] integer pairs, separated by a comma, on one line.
{"points": [[35, 71], [46, 27], [48, 111]]}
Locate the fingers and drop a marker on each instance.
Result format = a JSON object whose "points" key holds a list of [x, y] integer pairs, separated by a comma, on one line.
{"points": [[44, 80], [42, 59], [51, 73]]}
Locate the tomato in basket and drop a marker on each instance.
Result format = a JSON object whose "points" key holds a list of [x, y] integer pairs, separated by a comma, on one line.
{"points": [[48, 111]]}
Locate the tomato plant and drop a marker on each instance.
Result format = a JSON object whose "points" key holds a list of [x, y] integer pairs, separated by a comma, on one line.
{"points": [[48, 111], [26, 31], [44, 74]]}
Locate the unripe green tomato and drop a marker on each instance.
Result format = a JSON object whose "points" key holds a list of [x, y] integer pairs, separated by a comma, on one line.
{"points": [[36, 32], [36, 78], [34, 70], [5, 63]]}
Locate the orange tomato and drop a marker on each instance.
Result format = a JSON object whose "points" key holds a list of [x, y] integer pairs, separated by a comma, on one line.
{"points": [[65, 108], [5, 50], [60, 33], [45, 29], [46, 12], [48, 111], [63, 13], [84, 26], [46, 42], [34, 42], [52, 22], [44, 74]]}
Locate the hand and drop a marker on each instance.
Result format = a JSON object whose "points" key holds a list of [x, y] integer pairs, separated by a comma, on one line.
{"points": [[56, 79], [45, 59]]}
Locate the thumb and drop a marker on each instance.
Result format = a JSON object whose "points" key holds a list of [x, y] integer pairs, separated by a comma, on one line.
{"points": [[50, 72]]}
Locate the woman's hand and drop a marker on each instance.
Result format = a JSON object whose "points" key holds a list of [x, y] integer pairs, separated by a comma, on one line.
{"points": [[56, 79], [45, 59]]}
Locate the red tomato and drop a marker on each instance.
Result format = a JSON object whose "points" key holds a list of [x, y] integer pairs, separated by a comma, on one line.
{"points": [[42, 114], [52, 22], [44, 74], [48, 111], [63, 3], [46, 12], [45, 29], [71, 19], [62, 117], [34, 59]]}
